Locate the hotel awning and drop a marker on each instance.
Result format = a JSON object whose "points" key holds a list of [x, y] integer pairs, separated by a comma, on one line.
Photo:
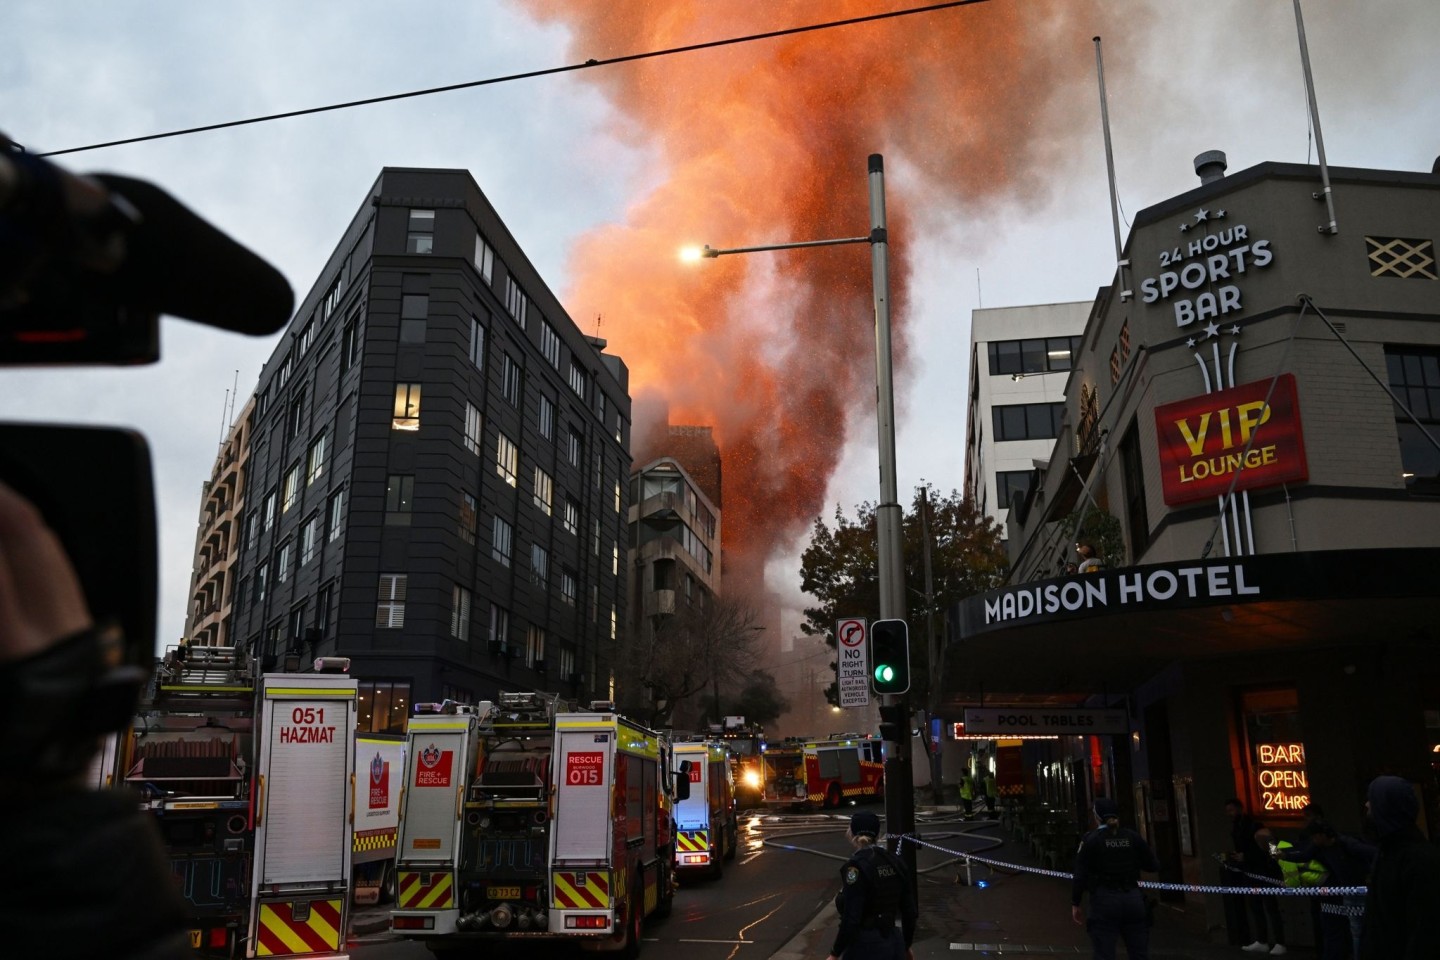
{"points": [[1081, 635]]}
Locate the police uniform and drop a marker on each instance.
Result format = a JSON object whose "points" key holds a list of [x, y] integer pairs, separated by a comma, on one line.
{"points": [[1108, 866], [875, 893]]}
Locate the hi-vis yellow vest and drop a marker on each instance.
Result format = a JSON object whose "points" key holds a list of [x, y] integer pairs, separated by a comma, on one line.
{"points": [[1308, 874]]}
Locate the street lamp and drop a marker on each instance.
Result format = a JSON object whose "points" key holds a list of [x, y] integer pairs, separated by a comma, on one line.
{"points": [[899, 798]]}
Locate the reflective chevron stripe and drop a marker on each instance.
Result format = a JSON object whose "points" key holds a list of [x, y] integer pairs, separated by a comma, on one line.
{"points": [[693, 841], [279, 934], [425, 891], [580, 890]]}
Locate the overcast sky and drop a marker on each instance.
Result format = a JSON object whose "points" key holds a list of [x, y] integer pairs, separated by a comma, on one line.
{"points": [[562, 157]]}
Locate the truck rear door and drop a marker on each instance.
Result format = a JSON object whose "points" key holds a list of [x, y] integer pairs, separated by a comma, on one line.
{"points": [[581, 837], [301, 874], [436, 762]]}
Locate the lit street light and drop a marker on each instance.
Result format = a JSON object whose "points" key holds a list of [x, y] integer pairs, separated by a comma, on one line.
{"points": [[899, 795]]}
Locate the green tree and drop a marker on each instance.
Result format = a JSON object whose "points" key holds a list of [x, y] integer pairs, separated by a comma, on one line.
{"points": [[760, 700], [839, 569]]}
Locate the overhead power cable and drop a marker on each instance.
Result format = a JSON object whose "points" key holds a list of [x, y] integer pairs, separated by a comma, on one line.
{"points": [[526, 75]]}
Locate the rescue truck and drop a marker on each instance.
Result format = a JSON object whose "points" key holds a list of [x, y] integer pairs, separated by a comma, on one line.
{"points": [[824, 773], [379, 772], [519, 820], [706, 833], [746, 742], [249, 778]]}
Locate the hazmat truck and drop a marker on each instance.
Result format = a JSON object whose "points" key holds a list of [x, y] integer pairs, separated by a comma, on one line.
{"points": [[521, 820], [249, 778], [706, 832]]}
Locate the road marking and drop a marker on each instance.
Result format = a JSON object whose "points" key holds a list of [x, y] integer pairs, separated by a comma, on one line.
{"points": [[715, 941], [1015, 948]]}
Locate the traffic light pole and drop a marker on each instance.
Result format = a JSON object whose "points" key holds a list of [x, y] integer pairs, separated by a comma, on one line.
{"points": [[899, 783]]}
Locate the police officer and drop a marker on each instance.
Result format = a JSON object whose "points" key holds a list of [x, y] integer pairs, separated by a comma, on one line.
{"points": [[876, 892], [1108, 865]]}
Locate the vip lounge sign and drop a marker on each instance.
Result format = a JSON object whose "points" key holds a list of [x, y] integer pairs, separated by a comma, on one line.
{"points": [[1231, 436]]}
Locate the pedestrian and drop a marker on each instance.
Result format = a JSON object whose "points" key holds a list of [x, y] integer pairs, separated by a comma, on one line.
{"points": [[992, 795], [1345, 862], [1251, 858], [1090, 562], [1108, 867], [1402, 906], [876, 891], [967, 793]]}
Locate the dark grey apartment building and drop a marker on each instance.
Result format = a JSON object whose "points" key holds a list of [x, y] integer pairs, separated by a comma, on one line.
{"points": [[437, 467]]}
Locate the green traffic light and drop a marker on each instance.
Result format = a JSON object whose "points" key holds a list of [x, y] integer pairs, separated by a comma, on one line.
{"points": [[884, 673]]}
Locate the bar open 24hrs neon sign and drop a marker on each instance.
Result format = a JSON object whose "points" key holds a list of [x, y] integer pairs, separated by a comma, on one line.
{"points": [[1280, 775]]}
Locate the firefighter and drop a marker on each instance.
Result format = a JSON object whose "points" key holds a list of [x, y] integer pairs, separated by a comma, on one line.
{"points": [[876, 891], [1108, 865]]}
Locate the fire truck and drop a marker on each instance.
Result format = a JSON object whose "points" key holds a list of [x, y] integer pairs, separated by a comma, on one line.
{"points": [[379, 772], [520, 820], [706, 833], [746, 742], [249, 777], [825, 773]]}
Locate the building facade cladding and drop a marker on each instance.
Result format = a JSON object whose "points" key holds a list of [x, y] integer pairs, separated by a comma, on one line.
{"points": [[1309, 603], [421, 366], [993, 464], [217, 538]]}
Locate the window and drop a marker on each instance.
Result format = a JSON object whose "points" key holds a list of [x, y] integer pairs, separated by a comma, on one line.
{"points": [[594, 603], [615, 558], [575, 446], [1132, 472], [598, 470], [1414, 375], [535, 648], [336, 513], [270, 509], [547, 417], [507, 459], [539, 565], [420, 238], [307, 336], [499, 627], [297, 414], [567, 663], [516, 302], [600, 406], [295, 630], [414, 308], [1008, 483], [383, 706], [571, 520], [579, 379], [567, 586], [287, 367], [1402, 257], [469, 511], [324, 604], [473, 428], [614, 622], [484, 259], [390, 610], [332, 297], [262, 574], [292, 489], [550, 344], [619, 429], [595, 538], [617, 494], [407, 407], [1028, 421], [500, 542], [1037, 355], [350, 343], [544, 491], [510, 379], [315, 460], [477, 344], [252, 529], [399, 497], [282, 562], [460, 613], [309, 538]]}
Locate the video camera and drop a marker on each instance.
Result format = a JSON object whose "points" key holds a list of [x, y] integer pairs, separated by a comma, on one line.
{"points": [[87, 266]]}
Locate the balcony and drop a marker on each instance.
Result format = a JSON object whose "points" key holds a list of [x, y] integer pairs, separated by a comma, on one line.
{"points": [[659, 603]]}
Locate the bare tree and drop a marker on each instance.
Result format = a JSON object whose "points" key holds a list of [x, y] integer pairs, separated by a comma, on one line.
{"points": [[699, 649]]}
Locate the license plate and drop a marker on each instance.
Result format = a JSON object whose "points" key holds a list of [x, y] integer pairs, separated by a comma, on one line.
{"points": [[196, 938], [502, 893]]}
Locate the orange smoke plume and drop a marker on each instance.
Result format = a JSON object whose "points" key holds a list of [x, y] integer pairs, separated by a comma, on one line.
{"points": [[766, 142]]}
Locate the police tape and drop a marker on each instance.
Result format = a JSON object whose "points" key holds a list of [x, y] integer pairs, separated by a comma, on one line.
{"points": [[1280, 891]]}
